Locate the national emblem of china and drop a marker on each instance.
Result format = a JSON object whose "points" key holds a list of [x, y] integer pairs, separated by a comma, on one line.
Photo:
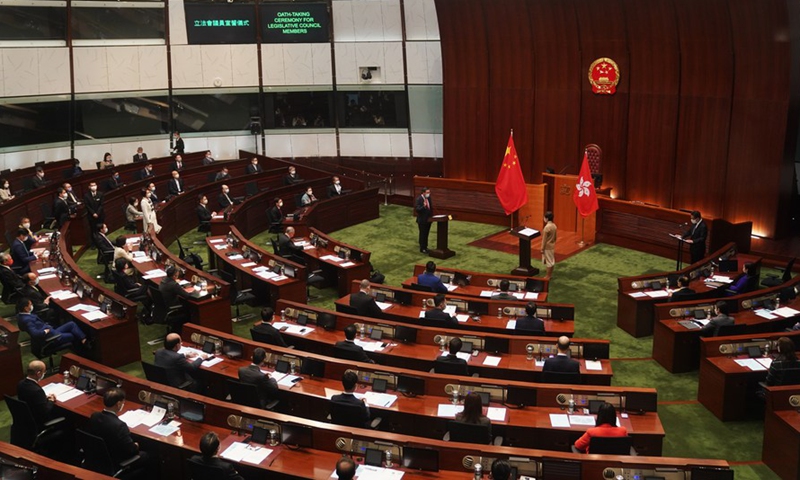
{"points": [[604, 76]]}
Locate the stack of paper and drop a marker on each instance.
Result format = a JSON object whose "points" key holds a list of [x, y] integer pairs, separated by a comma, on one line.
{"points": [[63, 294], [133, 240], [559, 420], [238, 256], [594, 365], [248, 264], [46, 271], [142, 259], [384, 400], [133, 418], [155, 273], [94, 316], [637, 294], [347, 264], [84, 307], [764, 313], [750, 363], [496, 414], [527, 232], [450, 288], [166, 430], [450, 309], [491, 361], [464, 356], [221, 246], [332, 258], [587, 420], [217, 240], [448, 410], [47, 277], [657, 293], [511, 324], [211, 361], [288, 380], [383, 305], [242, 452], [531, 296], [785, 312], [369, 346], [462, 318], [62, 392]]}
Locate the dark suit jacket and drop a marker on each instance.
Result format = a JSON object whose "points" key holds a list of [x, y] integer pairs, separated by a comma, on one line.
{"points": [[22, 257], [275, 216], [140, 158], [530, 324], [143, 173], [423, 214], [273, 334], [114, 433], [172, 291], [179, 369], [203, 213], [36, 296], [350, 399], [126, 283], [451, 359], [442, 316], [174, 166], [60, 212], [228, 472], [103, 243], [253, 169], [10, 278], [365, 305], [357, 353], [561, 363], [179, 146], [503, 296], [682, 295], [37, 182], [113, 184], [332, 191], [267, 386], [225, 201], [31, 393], [173, 187], [712, 327], [286, 247], [291, 180], [432, 281], [698, 234], [94, 204], [34, 325]]}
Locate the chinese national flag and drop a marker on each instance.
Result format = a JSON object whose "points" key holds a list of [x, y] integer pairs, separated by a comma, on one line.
{"points": [[510, 186], [584, 196]]}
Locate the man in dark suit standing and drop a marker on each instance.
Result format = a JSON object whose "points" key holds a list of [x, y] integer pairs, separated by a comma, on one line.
{"points": [[209, 446], [696, 237], [561, 362], [140, 156], [146, 172], [20, 253], [30, 392], [349, 382], [428, 279], [224, 198], [291, 178], [349, 349], [171, 291], [175, 186], [94, 207], [271, 334], [179, 369], [114, 432], [452, 359], [252, 375], [275, 215], [424, 208], [177, 164], [254, 167], [335, 188], [530, 323], [61, 209], [683, 293], [437, 313], [203, 213], [364, 303]]}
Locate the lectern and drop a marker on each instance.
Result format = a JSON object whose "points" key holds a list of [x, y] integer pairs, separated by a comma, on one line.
{"points": [[441, 250], [525, 235]]}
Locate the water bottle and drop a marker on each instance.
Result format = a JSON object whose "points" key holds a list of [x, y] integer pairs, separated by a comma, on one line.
{"points": [[362, 331], [424, 305], [66, 377], [388, 459], [478, 471], [283, 315], [499, 312], [455, 396], [571, 407], [442, 343], [273, 438], [170, 411]]}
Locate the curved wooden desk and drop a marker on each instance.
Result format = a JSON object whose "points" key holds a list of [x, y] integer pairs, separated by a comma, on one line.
{"points": [[481, 281], [46, 468]]}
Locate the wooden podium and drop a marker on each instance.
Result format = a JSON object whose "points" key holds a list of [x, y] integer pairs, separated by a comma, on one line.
{"points": [[441, 250], [559, 201], [525, 235]]}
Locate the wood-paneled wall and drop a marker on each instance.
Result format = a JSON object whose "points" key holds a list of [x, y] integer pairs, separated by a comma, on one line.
{"points": [[699, 119]]}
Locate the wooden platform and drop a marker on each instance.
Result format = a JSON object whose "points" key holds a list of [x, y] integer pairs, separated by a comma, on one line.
{"points": [[503, 241]]}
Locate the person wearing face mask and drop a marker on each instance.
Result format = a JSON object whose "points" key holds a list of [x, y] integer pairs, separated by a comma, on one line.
{"points": [[30, 392], [9, 278], [176, 184], [146, 172], [275, 215], [308, 198], [132, 212], [116, 434], [291, 178], [424, 208], [108, 161], [225, 200], [30, 238], [153, 195], [31, 292], [254, 167], [335, 189], [104, 245], [122, 249], [208, 159], [5, 191], [21, 253], [70, 333], [696, 236], [149, 212], [95, 211], [203, 213], [177, 165], [61, 208], [125, 283], [114, 182], [72, 200], [179, 146], [140, 156], [38, 180], [222, 175]]}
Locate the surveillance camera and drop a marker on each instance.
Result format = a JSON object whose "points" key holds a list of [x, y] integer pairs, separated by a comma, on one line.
{"points": [[366, 74]]}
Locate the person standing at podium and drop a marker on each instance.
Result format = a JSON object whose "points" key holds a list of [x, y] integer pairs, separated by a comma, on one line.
{"points": [[549, 234], [696, 237], [424, 209]]}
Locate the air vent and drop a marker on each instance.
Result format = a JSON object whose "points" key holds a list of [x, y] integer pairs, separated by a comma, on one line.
{"points": [[726, 349], [794, 401]]}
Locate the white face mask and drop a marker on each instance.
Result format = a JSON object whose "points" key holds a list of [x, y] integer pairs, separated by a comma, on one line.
{"points": [[26, 225], [93, 189], [280, 204], [427, 195], [336, 182], [36, 282], [204, 202], [5, 186], [225, 191], [694, 221]]}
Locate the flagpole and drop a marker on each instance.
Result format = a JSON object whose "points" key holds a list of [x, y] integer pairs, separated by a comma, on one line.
{"points": [[583, 227]]}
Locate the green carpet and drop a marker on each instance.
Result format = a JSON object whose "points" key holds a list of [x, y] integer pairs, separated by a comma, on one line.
{"points": [[588, 280]]}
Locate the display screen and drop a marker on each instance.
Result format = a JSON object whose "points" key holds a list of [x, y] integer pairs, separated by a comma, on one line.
{"points": [[294, 22], [220, 23]]}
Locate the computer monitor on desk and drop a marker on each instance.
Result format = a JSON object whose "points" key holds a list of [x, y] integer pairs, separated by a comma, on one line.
{"points": [[495, 345], [232, 349], [403, 298], [426, 459], [191, 410], [412, 386], [297, 435], [405, 334]]}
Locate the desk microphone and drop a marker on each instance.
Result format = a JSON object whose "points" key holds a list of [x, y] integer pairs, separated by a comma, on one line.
{"points": [[564, 169]]}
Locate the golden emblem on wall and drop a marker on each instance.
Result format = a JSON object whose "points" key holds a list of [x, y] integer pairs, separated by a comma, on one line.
{"points": [[604, 76]]}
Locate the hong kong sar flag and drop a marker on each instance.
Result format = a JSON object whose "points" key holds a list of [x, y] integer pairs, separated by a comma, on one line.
{"points": [[584, 196]]}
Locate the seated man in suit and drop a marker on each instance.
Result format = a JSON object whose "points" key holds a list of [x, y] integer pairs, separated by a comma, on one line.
{"points": [[72, 199], [428, 279], [254, 167], [356, 352], [140, 156], [561, 362], [38, 180], [21, 254], [175, 186], [30, 238], [349, 382], [346, 468], [225, 200], [127, 286], [335, 188], [683, 292], [287, 248], [208, 159], [721, 319], [147, 172], [222, 175], [275, 215], [203, 213], [452, 357], [252, 375], [177, 165], [364, 303], [501, 470], [70, 333], [503, 293], [114, 182], [291, 178], [30, 290], [10, 279], [438, 313], [171, 291], [530, 323], [266, 329], [179, 369], [30, 392], [209, 447], [114, 432]]}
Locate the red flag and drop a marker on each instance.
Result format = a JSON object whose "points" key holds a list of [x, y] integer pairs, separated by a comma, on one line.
{"points": [[584, 196], [510, 186]]}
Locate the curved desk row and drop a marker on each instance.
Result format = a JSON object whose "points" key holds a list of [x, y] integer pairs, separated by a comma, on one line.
{"points": [[16, 461], [480, 282]]}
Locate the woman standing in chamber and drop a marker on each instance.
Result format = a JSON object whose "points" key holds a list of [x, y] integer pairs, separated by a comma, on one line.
{"points": [[149, 213]]}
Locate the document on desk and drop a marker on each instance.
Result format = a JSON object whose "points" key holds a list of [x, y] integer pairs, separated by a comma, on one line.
{"points": [[464, 356], [450, 309], [288, 381], [587, 420], [221, 246], [531, 296], [238, 256], [369, 346], [332, 258], [491, 361], [211, 361], [448, 410], [518, 295], [166, 430], [235, 452], [786, 312], [217, 240], [95, 316], [657, 293], [383, 305], [47, 277], [767, 361], [449, 287], [84, 307], [138, 254], [559, 420], [347, 264], [721, 279], [462, 318], [637, 294], [243, 452], [384, 400], [368, 472], [511, 324], [527, 232], [538, 363], [764, 313], [496, 414], [155, 273], [217, 217], [750, 363], [63, 294], [46, 271], [248, 264], [142, 259], [154, 416], [133, 418], [63, 393], [487, 293], [594, 365]]}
